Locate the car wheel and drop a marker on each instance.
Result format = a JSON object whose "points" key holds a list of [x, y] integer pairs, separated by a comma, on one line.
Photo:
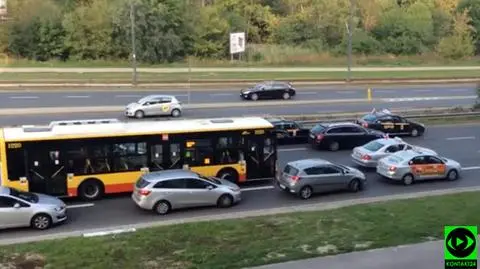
{"points": [[228, 174], [225, 201], [254, 97], [286, 96], [162, 207], [334, 146], [41, 221], [408, 179], [139, 114], [414, 132], [355, 185], [452, 175], [176, 113], [306, 192], [90, 190]]}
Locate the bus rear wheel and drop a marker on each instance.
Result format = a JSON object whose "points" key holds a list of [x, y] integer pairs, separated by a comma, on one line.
{"points": [[228, 174], [91, 189]]}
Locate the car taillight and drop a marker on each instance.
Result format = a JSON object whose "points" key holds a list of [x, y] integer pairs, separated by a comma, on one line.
{"points": [[320, 137], [295, 178], [365, 125], [392, 168], [144, 192], [366, 157]]}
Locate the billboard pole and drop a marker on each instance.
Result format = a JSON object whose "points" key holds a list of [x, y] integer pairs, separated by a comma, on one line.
{"points": [[134, 49]]}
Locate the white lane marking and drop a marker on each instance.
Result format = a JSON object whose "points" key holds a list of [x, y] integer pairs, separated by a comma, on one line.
{"points": [[127, 96], [291, 149], [471, 168], [423, 90], [329, 111], [459, 90], [258, 188], [103, 233], [77, 96], [79, 206], [384, 91], [345, 92], [413, 99], [307, 92], [221, 94], [461, 138], [23, 97]]}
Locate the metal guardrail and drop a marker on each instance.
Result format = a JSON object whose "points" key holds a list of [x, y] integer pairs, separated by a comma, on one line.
{"points": [[430, 116]]}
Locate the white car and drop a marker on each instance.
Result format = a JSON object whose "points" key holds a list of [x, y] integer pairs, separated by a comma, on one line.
{"points": [[155, 105], [369, 154]]}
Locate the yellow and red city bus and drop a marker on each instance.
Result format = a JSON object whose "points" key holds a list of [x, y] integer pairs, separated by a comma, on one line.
{"points": [[90, 158]]}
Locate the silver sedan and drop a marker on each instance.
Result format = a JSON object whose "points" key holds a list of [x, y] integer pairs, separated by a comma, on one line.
{"points": [[155, 105], [410, 166], [23, 209], [369, 154]]}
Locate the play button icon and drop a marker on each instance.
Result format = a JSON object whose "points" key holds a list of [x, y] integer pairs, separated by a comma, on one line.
{"points": [[460, 242]]}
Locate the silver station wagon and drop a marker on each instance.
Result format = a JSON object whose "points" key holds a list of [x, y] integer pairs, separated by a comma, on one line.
{"points": [[369, 154], [308, 176], [410, 166], [155, 105], [23, 209], [177, 188]]}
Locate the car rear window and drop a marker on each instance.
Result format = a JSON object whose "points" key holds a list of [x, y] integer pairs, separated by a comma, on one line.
{"points": [[290, 170], [369, 117], [142, 183], [318, 128], [373, 146]]}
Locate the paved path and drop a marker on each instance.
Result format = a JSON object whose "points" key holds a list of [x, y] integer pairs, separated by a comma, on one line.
{"points": [[427, 255], [227, 69]]}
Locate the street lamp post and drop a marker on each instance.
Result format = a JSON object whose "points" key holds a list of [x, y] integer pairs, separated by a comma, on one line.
{"points": [[134, 53], [349, 31]]}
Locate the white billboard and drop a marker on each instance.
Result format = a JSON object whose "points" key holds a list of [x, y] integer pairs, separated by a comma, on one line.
{"points": [[237, 42]]}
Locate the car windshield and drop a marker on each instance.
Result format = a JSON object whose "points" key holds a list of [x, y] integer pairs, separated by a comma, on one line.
{"points": [[211, 179], [258, 86], [373, 146], [369, 118], [318, 128], [27, 196]]}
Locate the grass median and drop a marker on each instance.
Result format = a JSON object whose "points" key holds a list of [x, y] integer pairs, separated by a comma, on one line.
{"points": [[255, 241], [232, 76]]}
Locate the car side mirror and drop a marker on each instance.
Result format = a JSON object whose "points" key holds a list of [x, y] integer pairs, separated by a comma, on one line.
{"points": [[16, 206], [209, 187]]}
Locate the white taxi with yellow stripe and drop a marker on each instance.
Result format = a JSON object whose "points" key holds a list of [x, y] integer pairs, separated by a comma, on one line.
{"points": [[415, 165], [155, 105]]}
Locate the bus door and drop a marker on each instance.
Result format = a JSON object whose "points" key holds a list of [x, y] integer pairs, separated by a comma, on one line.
{"points": [[165, 155], [47, 171], [260, 157]]}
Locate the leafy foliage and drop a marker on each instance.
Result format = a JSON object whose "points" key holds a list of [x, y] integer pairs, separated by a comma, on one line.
{"points": [[170, 30]]}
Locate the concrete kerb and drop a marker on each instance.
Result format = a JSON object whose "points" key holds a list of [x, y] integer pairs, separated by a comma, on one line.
{"points": [[236, 215]]}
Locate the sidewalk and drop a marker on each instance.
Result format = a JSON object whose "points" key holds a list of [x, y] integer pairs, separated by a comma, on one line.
{"points": [[428, 255]]}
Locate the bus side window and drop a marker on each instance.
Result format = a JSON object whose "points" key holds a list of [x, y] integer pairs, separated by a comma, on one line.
{"points": [[198, 152], [77, 161], [16, 164], [97, 160], [129, 156], [227, 151]]}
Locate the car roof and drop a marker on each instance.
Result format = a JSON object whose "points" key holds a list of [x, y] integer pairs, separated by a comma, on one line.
{"points": [[339, 124], [305, 163], [411, 153], [390, 141], [169, 174], [156, 96]]}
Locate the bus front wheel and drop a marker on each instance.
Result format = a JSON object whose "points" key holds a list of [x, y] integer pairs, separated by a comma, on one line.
{"points": [[91, 189], [228, 174]]}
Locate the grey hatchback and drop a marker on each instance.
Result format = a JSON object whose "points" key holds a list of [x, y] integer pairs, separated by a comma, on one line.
{"points": [[308, 176], [177, 188]]}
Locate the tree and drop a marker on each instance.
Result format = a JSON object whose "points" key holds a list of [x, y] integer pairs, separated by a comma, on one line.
{"points": [[460, 43], [211, 34], [473, 9]]}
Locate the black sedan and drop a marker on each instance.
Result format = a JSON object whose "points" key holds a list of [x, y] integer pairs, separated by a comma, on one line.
{"points": [[341, 135], [268, 90], [390, 123], [289, 131]]}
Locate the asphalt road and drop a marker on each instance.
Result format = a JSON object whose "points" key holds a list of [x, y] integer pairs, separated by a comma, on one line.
{"points": [[89, 97], [459, 142], [290, 109]]}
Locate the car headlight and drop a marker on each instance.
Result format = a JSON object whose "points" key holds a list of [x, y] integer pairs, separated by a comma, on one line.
{"points": [[59, 208]]}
